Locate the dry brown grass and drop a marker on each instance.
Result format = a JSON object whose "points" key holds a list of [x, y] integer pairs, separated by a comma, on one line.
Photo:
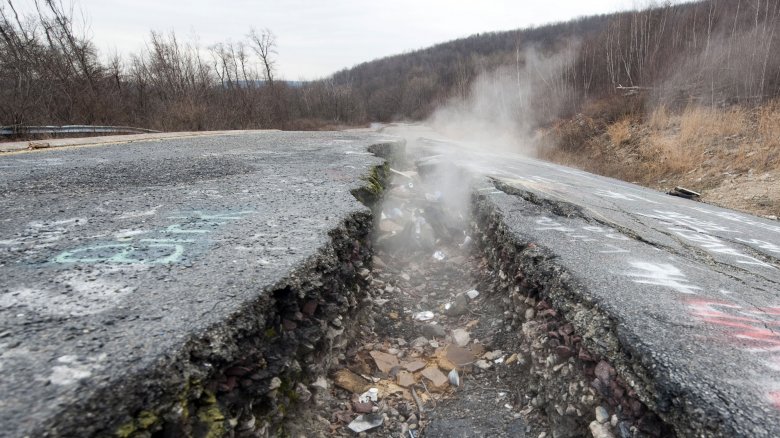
{"points": [[697, 147], [620, 132], [659, 118], [700, 124]]}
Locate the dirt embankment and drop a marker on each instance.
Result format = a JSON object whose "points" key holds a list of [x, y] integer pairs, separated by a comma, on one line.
{"points": [[730, 155]]}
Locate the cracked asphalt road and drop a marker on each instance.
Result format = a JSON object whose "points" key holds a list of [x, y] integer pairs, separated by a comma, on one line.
{"points": [[692, 291], [113, 257]]}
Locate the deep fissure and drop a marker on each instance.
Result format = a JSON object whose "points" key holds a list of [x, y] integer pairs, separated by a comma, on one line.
{"points": [[463, 331], [523, 370]]}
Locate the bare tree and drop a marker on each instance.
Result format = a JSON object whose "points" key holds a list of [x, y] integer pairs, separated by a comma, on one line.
{"points": [[264, 45]]}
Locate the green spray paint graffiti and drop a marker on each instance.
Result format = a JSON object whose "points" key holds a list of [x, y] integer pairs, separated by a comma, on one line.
{"points": [[158, 247]]}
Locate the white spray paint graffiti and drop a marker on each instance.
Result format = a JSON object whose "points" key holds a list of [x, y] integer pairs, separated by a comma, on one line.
{"points": [[689, 222], [661, 274], [735, 217], [594, 234], [715, 245], [622, 196], [696, 231], [768, 246]]}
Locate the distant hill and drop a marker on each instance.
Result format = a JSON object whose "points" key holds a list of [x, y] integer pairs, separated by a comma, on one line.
{"points": [[708, 50]]}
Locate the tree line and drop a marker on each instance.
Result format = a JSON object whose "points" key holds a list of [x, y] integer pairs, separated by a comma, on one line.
{"points": [[713, 52], [50, 74]]}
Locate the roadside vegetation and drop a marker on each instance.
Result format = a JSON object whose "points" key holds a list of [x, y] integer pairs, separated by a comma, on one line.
{"points": [[685, 94]]}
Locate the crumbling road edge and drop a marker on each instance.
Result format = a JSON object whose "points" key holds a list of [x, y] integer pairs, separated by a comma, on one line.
{"points": [[243, 375], [597, 346]]}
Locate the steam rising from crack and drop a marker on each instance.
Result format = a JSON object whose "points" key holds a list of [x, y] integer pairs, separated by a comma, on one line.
{"points": [[503, 107]]}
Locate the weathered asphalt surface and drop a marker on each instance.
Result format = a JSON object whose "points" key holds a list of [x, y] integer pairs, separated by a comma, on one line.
{"points": [[112, 257], [691, 290]]}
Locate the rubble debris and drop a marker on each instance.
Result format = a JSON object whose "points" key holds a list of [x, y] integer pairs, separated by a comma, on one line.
{"points": [[482, 364], [453, 356], [436, 377], [414, 366], [384, 362], [439, 255], [372, 395], [346, 379], [599, 430], [682, 192], [426, 315], [457, 307], [366, 422], [472, 294], [602, 416], [38, 145], [405, 379], [454, 378], [461, 337]]}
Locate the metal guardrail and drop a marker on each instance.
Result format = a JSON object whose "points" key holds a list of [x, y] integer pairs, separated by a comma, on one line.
{"points": [[72, 129]]}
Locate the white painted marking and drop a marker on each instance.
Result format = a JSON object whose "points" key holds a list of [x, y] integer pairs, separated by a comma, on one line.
{"points": [[661, 274]]}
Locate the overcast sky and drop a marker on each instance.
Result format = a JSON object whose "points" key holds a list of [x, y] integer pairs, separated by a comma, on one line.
{"points": [[318, 37]]}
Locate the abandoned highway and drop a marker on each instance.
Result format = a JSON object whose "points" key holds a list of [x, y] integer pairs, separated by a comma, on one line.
{"points": [[211, 286]]}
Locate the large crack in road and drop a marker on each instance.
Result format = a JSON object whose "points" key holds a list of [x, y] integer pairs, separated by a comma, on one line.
{"points": [[466, 341]]}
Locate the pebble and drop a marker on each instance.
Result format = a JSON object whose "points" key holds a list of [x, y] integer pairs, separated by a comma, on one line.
{"points": [[320, 384], [602, 416], [420, 342], [599, 430], [493, 355], [461, 337], [482, 364]]}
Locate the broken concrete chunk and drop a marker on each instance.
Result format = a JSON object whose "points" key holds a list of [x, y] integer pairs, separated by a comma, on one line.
{"points": [[346, 379], [461, 337], [435, 376], [405, 379], [682, 192], [384, 361], [366, 422], [473, 293], [414, 366], [38, 145], [455, 357], [600, 430]]}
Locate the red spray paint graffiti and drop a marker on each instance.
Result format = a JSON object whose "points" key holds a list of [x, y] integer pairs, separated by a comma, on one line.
{"points": [[750, 329]]}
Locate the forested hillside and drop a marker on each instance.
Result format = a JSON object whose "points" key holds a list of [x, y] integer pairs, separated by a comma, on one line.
{"points": [[712, 52], [716, 53]]}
